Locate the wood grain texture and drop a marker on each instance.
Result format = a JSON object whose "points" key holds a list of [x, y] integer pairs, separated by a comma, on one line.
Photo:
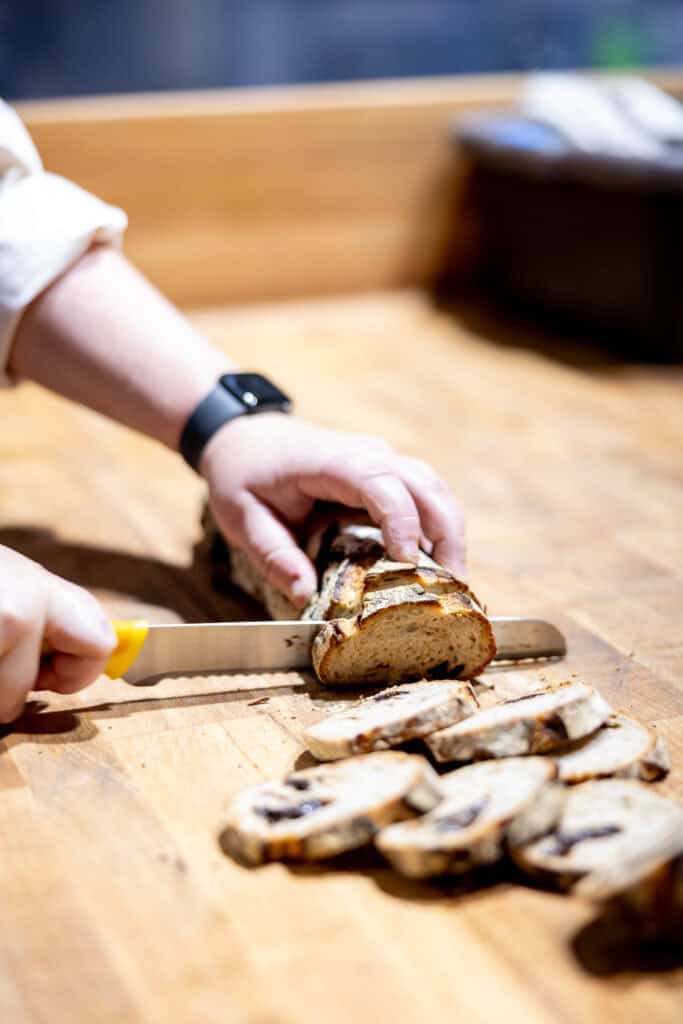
{"points": [[118, 904], [246, 195]]}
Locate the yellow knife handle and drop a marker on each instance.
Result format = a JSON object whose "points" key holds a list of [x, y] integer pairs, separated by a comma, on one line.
{"points": [[131, 635]]}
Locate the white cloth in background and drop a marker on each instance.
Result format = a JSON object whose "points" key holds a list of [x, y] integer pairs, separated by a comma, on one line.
{"points": [[46, 224], [618, 116]]}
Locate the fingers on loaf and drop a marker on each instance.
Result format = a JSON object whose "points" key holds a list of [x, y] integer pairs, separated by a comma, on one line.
{"points": [[388, 622]]}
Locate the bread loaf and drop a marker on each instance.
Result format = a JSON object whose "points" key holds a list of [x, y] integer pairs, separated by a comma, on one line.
{"points": [[388, 718], [319, 812], [484, 806], [386, 622], [523, 725]]}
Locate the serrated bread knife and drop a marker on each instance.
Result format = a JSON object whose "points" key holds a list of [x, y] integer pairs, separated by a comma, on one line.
{"points": [[147, 650]]}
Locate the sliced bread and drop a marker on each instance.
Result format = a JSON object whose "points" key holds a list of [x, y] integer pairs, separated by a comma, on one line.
{"points": [[622, 747], [389, 622], [484, 805], [322, 811], [602, 823], [389, 718], [646, 884], [523, 725], [404, 634], [379, 609]]}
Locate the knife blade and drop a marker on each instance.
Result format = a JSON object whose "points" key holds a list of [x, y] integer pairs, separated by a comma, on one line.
{"points": [[286, 646]]}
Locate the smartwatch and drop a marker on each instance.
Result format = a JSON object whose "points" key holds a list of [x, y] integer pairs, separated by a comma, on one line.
{"points": [[235, 394]]}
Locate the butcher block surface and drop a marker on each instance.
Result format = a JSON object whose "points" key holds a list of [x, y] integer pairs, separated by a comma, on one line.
{"points": [[118, 904]]}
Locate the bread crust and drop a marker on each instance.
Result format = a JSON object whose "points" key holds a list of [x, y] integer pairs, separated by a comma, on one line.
{"points": [[477, 817], [622, 748], [646, 887], [323, 811], [389, 718], [358, 584], [455, 615], [533, 724], [602, 822], [247, 578]]}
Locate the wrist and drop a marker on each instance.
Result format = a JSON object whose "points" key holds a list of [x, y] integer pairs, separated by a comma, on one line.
{"points": [[199, 382], [235, 396], [234, 435]]}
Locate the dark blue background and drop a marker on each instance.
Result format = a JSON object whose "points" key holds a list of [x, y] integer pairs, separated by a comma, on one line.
{"points": [[67, 47]]}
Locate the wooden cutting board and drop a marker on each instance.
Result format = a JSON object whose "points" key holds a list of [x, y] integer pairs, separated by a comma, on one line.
{"points": [[117, 902]]}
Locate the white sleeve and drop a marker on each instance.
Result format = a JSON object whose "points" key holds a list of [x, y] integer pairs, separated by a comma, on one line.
{"points": [[46, 223]]}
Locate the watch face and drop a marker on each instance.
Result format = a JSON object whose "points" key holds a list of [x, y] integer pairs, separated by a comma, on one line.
{"points": [[255, 391]]}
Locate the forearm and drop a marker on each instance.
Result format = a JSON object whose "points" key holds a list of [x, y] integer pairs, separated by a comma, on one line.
{"points": [[103, 336]]}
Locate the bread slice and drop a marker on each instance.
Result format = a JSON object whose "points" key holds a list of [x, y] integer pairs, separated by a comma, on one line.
{"points": [[389, 718], [622, 747], [647, 885], [523, 725], [602, 823], [404, 634], [322, 811], [484, 805]]}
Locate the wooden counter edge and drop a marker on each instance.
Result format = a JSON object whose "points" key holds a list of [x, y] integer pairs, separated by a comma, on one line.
{"points": [[258, 194]]}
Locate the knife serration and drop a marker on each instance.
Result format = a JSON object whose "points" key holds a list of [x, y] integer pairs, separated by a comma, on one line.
{"points": [[286, 646]]}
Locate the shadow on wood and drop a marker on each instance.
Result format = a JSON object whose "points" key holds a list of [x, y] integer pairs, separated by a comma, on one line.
{"points": [[517, 327], [304, 760], [41, 726], [367, 862], [187, 592], [608, 947]]}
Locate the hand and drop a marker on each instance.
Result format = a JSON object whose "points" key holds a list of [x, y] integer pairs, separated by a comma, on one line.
{"points": [[35, 605], [265, 473]]}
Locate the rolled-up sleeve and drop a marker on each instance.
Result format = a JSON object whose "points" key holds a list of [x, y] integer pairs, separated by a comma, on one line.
{"points": [[46, 224]]}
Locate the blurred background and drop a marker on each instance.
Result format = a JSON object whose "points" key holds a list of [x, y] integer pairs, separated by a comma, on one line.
{"points": [[71, 47]]}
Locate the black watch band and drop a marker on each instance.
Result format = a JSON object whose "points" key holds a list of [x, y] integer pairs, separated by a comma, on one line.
{"points": [[235, 394]]}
